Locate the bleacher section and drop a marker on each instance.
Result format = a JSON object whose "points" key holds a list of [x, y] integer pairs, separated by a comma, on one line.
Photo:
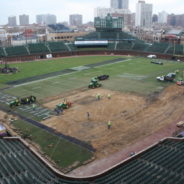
{"points": [[140, 46], [57, 46], [116, 41], [108, 36], [124, 45], [39, 48], [161, 164], [158, 47], [16, 51], [176, 50]]}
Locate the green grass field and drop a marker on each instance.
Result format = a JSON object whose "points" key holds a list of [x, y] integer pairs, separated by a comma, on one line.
{"points": [[29, 69], [62, 152], [136, 75]]}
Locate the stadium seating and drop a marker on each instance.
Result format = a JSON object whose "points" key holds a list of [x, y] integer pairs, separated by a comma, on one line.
{"points": [[107, 36], [57, 46], [16, 51], [162, 164], [158, 47], [124, 45], [2, 52], [140, 46], [176, 50], [39, 48]]}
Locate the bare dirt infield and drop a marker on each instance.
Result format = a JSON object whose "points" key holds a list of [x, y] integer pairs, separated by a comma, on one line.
{"points": [[133, 117]]}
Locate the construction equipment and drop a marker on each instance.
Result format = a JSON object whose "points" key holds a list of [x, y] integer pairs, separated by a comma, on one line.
{"points": [[28, 100], [15, 103], [180, 82], [169, 77], [94, 83], [7, 69], [23, 101], [103, 77], [64, 105], [157, 62]]}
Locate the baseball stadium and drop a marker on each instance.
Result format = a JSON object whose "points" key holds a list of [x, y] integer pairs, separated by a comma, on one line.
{"points": [[104, 109]]}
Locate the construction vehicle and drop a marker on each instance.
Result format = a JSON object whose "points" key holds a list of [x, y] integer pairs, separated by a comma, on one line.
{"points": [[23, 101], [152, 56], [157, 62], [169, 77], [28, 100], [94, 83], [180, 82], [7, 69], [15, 103], [103, 77], [64, 105]]}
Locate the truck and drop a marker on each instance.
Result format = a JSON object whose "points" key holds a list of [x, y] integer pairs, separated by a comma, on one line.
{"points": [[169, 77]]}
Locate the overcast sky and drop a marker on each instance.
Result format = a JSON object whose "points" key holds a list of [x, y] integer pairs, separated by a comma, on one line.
{"points": [[62, 8]]}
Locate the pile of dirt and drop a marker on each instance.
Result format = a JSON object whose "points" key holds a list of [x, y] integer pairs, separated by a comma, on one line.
{"points": [[133, 117]]}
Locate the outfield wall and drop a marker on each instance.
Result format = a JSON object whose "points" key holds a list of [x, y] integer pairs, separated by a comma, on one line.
{"points": [[89, 52]]}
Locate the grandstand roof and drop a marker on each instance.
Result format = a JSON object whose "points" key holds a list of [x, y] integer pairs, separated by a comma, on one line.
{"points": [[162, 163]]}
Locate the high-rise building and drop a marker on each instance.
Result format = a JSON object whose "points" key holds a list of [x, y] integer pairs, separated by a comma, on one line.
{"points": [[143, 16], [175, 20], [75, 20], [162, 17], [12, 21], [24, 20], [120, 4], [46, 19]]}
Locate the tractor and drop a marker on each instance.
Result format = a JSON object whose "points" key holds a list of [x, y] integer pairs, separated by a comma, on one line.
{"points": [[23, 101], [15, 103], [28, 100], [94, 83], [168, 78], [60, 107]]}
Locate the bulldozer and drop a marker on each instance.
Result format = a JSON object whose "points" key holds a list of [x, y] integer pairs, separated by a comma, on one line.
{"points": [[94, 83]]}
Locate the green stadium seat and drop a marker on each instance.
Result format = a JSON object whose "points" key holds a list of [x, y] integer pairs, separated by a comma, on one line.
{"points": [[38, 48], [57, 46], [16, 51], [161, 164]]}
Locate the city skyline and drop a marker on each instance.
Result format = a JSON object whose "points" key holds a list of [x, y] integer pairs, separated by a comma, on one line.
{"points": [[63, 9]]}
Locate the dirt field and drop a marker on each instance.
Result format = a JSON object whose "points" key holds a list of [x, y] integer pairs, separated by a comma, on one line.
{"points": [[133, 117]]}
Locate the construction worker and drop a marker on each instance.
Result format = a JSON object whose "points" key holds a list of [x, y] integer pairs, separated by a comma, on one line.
{"points": [[109, 96], [109, 124], [34, 106], [98, 96], [88, 115]]}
